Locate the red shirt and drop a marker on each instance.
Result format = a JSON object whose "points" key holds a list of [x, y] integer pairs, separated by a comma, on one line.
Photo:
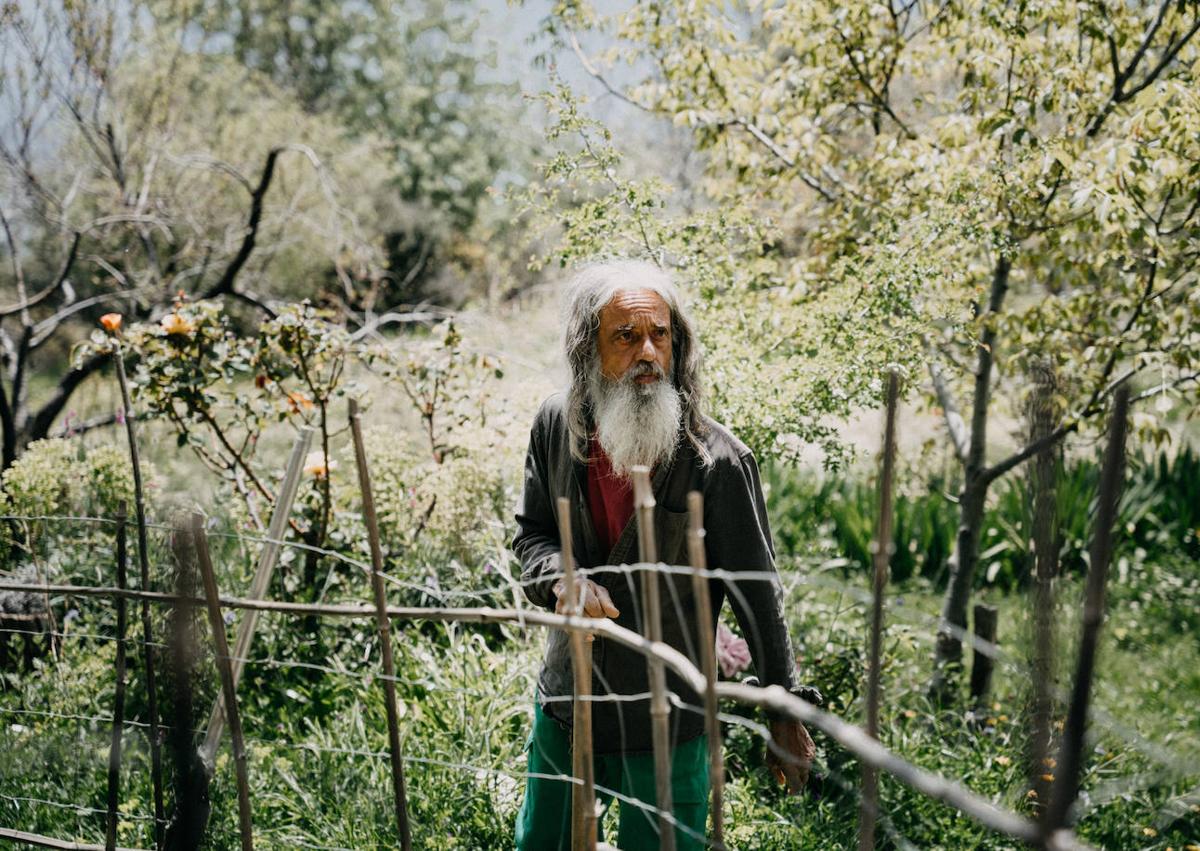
{"points": [[610, 499]]}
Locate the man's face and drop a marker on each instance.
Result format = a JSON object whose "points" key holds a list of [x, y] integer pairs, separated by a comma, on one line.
{"points": [[635, 329]]}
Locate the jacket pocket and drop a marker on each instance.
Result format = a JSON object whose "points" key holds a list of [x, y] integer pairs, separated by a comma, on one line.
{"points": [[673, 535]]}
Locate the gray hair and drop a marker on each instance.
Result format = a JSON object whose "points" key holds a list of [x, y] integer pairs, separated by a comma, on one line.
{"points": [[591, 289]]}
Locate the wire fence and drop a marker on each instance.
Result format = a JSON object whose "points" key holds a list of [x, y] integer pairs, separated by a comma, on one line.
{"points": [[691, 665]]}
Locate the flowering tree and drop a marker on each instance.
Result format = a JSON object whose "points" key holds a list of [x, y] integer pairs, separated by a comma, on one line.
{"points": [[221, 392], [962, 189]]}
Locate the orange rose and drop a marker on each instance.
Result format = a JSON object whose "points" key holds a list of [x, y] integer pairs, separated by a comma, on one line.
{"points": [[298, 401], [111, 322]]}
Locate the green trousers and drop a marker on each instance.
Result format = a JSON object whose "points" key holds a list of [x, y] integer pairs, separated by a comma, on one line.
{"points": [[544, 823]]}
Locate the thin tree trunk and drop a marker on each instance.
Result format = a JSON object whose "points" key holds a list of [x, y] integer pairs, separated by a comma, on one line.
{"points": [[948, 655]]}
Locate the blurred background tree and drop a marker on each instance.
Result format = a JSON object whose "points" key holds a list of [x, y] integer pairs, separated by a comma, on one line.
{"points": [[330, 152], [962, 190]]}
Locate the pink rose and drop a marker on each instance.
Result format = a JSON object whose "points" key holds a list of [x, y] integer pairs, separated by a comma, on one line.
{"points": [[733, 653]]}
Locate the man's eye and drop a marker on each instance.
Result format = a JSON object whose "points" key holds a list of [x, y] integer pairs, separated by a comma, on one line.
{"points": [[625, 336], [660, 333]]}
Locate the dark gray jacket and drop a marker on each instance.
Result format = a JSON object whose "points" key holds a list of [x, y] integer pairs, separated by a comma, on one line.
{"points": [[737, 539]]}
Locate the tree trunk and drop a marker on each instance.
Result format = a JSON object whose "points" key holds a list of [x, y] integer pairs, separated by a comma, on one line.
{"points": [[948, 653], [948, 659]]}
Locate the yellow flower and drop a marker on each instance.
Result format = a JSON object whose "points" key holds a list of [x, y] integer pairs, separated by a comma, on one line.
{"points": [[1003, 760], [1031, 794], [1149, 831], [111, 322], [173, 323], [316, 465], [1049, 778]]}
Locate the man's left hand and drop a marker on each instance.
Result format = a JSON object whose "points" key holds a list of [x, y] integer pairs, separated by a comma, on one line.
{"points": [[790, 754]]}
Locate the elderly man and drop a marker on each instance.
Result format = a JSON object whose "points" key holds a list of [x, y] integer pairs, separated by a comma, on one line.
{"points": [[635, 399]]}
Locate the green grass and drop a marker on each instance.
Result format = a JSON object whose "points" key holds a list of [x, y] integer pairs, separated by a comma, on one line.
{"points": [[466, 701]]}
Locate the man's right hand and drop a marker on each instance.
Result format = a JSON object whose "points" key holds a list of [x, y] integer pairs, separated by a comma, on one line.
{"points": [[594, 597]]}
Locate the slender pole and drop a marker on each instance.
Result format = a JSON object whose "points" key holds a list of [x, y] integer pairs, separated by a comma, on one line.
{"points": [[217, 624], [881, 554], [1066, 785], [385, 635], [643, 502], [154, 731], [708, 661], [1041, 422], [983, 663], [583, 795], [114, 749], [258, 588]]}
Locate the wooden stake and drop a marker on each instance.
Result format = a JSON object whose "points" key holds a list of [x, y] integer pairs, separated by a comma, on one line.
{"points": [[385, 636], [1042, 417], [154, 732], [114, 749], [982, 660], [708, 661], [258, 588], [217, 624], [1066, 785], [583, 796], [643, 502], [882, 550]]}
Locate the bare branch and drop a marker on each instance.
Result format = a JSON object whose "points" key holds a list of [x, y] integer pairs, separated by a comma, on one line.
{"points": [[59, 280], [225, 284], [955, 424]]}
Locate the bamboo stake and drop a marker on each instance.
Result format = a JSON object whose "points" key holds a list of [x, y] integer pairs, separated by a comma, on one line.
{"points": [[385, 636], [643, 502], [114, 749], [144, 567], [881, 555], [1041, 417], [1066, 786], [217, 624], [708, 661], [583, 795], [258, 588]]}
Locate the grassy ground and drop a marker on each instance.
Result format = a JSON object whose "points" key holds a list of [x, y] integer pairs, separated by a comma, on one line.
{"points": [[319, 777]]}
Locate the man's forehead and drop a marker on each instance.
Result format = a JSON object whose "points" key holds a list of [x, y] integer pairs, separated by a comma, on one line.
{"points": [[630, 305]]}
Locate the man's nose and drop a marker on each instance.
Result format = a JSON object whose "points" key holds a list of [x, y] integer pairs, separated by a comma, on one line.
{"points": [[647, 351]]}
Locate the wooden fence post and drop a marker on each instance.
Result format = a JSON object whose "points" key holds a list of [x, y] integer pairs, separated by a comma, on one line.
{"points": [[708, 660], [881, 555], [114, 750], [258, 588], [217, 624], [399, 794], [643, 502], [982, 661], [144, 566], [583, 795], [1066, 784]]}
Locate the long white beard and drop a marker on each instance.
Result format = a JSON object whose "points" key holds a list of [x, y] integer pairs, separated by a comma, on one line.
{"points": [[636, 424]]}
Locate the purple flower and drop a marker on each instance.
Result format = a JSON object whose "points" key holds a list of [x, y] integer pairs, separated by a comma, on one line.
{"points": [[120, 418], [733, 653]]}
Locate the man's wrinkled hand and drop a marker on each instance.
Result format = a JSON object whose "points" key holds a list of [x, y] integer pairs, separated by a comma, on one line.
{"points": [[790, 754], [594, 599], [596, 602]]}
